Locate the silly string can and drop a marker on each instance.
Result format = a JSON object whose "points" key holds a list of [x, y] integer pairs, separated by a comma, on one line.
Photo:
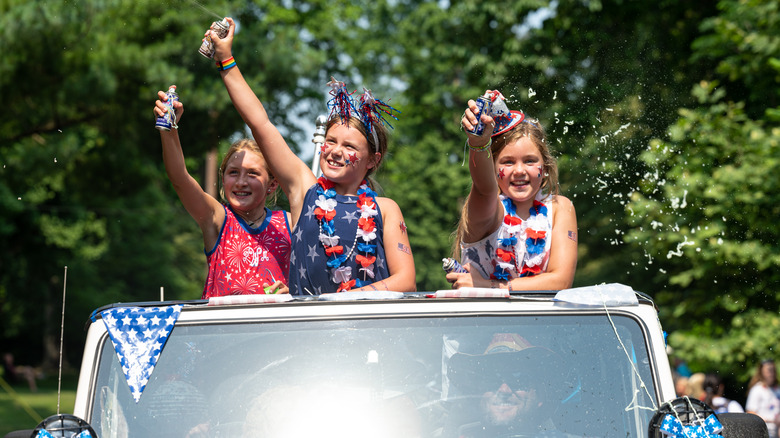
{"points": [[452, 265], [167, 121], [485, 106], [207, 46]]}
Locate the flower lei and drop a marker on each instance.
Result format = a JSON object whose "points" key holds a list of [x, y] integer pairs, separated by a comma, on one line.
{"points": [[531, 234], [366, 233]]}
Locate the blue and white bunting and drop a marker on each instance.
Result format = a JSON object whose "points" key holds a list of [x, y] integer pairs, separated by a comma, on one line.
{"points": [[43, 433], [672, 427], [139, 335]]}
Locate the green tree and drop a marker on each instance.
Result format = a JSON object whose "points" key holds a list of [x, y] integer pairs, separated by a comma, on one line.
{"points": [[706, 215]]}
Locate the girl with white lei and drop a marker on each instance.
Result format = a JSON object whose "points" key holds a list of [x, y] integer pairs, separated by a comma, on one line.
{"points": [[516, 231]]}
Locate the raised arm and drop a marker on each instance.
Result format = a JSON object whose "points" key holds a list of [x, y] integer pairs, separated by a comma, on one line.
{"points": [[483, 215], [207, 211], [293, 174]]}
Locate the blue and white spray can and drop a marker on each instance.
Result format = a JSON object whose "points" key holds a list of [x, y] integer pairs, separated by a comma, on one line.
{"points": [[452, 265], [167, 121], [485, 106]]}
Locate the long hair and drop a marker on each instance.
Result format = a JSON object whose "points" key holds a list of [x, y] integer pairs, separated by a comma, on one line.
{"points": [[758, 376], [245, 144], [532, 129]]}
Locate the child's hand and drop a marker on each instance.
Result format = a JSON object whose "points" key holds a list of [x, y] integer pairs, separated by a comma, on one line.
{"points": [[161, 108], [469, 122], [277, 288], [223, 47], [465, 279]]}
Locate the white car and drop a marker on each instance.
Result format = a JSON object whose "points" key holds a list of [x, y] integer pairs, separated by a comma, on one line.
{"points": [[470, 363]]}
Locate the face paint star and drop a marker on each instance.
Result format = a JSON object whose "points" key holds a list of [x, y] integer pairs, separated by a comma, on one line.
{"points": [[501, 174], [352, 158]]}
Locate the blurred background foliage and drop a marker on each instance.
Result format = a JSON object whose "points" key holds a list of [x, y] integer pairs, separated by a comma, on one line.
{"points": [[664, 116]]}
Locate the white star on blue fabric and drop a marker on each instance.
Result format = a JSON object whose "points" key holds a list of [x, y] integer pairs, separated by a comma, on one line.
{"points": [[292, 258], [302, 271], [298, 235], [350, 216], [309, 214], [312, 252], [138, 339]]}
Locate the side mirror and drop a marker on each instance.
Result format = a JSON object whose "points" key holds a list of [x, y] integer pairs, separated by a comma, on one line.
{"points": [[63, 426], [685, 412]]}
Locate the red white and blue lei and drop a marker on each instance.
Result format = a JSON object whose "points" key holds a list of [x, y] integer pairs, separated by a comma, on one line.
{"points": [[363, 247], [521, 238]]}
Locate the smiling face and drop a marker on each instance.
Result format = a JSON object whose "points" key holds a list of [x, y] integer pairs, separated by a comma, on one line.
{"points": [[247, 182], [507, 406], [520, 170], [346, 158]]}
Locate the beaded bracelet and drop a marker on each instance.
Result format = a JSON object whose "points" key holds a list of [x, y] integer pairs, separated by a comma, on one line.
{"points": [[226, 64], [481, 148]]}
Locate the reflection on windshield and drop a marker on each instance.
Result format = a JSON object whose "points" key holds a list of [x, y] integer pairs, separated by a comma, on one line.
{"points": [[434, 377]]}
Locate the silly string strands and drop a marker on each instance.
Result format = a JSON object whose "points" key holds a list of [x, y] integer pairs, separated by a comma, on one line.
{"points": [[365, 234]]}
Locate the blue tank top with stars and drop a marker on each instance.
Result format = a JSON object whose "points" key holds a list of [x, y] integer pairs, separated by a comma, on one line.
{"points": [[309, 273]]}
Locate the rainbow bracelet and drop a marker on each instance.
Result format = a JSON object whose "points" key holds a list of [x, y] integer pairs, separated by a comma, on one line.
{"points": [[226, 64]]}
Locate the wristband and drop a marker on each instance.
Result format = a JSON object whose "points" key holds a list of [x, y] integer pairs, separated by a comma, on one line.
{"points": [[226, 64], [486, 147]]}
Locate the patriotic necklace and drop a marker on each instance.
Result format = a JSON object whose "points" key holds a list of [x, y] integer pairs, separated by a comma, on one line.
{"points": [[363, 248], [531, 236]]}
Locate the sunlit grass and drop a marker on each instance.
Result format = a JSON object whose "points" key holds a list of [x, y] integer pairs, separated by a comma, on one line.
{"points": [[22, 409]]}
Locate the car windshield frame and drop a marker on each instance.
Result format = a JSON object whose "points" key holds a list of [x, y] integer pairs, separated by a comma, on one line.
{"points": [[212, 374]]}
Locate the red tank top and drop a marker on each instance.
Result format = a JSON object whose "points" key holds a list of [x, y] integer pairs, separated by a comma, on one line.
{"points": [[245, 258]]}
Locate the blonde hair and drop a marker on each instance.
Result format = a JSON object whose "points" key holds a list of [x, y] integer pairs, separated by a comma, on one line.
{"points": [[532, 129], [245, 144]]}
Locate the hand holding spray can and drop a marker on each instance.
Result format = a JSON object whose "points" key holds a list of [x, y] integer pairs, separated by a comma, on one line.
{"points": [[485, 106], [167, 121], [452, 265], [221, 28]]}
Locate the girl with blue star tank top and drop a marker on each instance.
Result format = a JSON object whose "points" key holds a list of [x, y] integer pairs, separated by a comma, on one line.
{"points": [[345, 237], [516, 231]]}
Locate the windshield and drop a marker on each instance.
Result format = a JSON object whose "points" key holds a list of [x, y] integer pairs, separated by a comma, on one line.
{"points": [[401, 377]]}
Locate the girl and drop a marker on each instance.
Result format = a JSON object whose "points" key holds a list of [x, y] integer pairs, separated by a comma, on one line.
{"points": [[516, 232], [764, 395], [344, 237], [247, 245]]}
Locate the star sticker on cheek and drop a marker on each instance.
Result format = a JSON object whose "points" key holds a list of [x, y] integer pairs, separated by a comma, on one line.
{"points": [[352, 158], [322, 148], [403, 227], [501, 174]]}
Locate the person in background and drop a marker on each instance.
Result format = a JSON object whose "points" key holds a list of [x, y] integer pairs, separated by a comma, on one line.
{"points": [[695, 386], [764, 395], [714, 390], [247, 245]]}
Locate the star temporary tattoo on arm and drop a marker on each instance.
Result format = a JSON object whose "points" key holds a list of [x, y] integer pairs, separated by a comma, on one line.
{"points": [[403, 227]]}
